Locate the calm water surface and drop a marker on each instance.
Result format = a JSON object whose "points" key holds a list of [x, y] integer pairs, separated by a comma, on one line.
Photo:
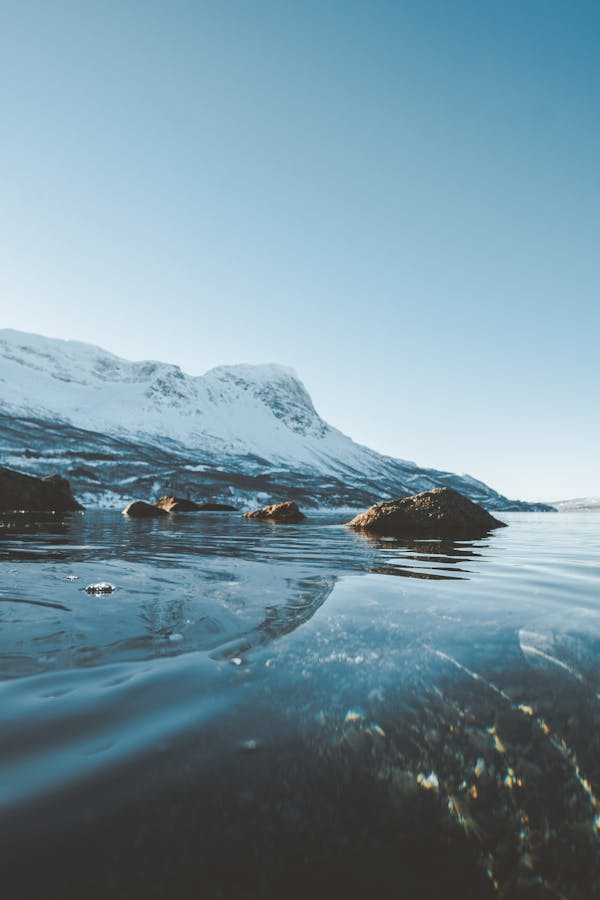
{"points": [[265, 711]]}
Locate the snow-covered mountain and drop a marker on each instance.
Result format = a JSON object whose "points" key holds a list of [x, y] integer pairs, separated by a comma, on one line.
{"points": [[120, 429]]}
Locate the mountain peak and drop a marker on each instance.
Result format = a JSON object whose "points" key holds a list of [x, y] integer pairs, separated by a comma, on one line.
{"points": [[255, 372], [236, 406], [278, 389], [65, 397]]}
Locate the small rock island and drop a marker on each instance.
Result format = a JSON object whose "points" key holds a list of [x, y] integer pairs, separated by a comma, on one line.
{"points": [[442, 512], [287, 513], [139, 509], [183, 504]]}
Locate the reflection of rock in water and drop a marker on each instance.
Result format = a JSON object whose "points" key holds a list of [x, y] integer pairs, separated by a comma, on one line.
{"points": [[411, 558]]}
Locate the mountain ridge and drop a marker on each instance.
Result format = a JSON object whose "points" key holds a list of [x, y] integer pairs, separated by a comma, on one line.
{"points": [[245, 431]]}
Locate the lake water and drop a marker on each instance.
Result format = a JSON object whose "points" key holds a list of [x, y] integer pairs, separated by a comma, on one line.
{"points": [[275, 711]]}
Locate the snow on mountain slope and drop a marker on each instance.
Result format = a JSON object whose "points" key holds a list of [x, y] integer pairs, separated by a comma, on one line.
{"points": [[249, 422], [260, 410]]}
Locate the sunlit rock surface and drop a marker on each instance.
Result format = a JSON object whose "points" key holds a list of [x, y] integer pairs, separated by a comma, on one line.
{"points": [[183, 504], [285, 513], [177, 504], [441, 512]]}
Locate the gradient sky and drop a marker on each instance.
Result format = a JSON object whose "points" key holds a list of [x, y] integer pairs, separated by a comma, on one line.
{"points": [[401, 200]]}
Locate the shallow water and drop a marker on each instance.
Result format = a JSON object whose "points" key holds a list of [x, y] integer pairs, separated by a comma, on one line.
{"points": [[263, 711]]}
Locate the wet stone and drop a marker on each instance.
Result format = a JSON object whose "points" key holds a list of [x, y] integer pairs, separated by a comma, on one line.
{"points": [[102, 587]]}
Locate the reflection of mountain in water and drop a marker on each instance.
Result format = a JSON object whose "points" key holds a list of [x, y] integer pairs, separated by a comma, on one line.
{"points": [[308, 595], [185, 583], [227, 609]]}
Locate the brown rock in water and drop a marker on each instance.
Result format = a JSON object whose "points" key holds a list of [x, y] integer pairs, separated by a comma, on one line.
{"points": [[180, 504], [286, 513], [176, 504], [25, 493], [442, 512], [140, 510]]}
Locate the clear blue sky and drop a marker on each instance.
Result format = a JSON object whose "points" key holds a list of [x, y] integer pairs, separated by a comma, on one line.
{"points": [[401, 200]]}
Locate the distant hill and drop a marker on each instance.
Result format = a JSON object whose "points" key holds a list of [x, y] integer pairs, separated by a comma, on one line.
{"points": [[580, 504]]}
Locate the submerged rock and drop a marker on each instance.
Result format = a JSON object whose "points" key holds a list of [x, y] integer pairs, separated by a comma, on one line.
{"points": [[26, 493], [286, 513], [180, 504], [141, 510], [441, 512]]}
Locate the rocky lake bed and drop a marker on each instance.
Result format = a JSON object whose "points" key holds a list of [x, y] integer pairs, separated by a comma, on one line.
{"points": [[242, 710]]}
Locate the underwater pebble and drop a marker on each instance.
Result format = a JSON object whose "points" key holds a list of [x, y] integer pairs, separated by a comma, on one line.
{"points": [[236, 660], [429, 782], [103, 587], [176, 637], [374, 728]]}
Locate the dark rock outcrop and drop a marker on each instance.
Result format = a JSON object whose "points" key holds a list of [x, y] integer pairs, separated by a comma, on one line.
{"points": [[141, 510], [216, 507], [442, 512], [180, 504], [25, 493], [286, 513]]}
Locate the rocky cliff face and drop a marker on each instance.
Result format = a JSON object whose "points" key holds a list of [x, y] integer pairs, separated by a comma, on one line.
{"points": [[241, 434]]}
